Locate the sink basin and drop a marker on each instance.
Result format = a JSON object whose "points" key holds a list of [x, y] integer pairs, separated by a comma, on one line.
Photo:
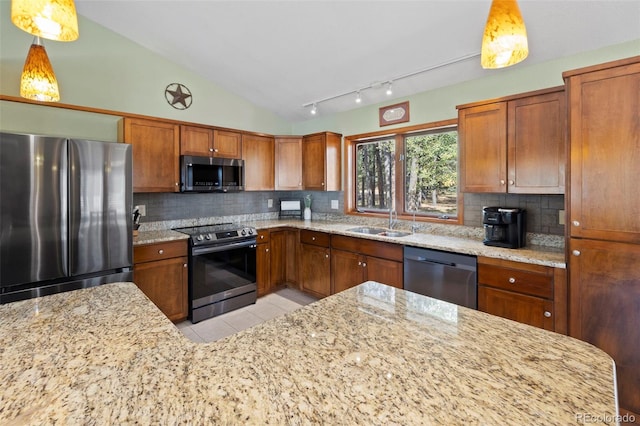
{"points": [[394, 234], [367, 230]]}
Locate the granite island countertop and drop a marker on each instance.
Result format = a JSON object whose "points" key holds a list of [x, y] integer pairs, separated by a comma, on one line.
{"points": [[372, 354], [540, 255]]}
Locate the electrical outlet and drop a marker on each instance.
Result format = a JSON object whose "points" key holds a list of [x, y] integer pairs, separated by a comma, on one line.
{"points": [[142, 209], [270, 203], [561, 217], [334, 204]]}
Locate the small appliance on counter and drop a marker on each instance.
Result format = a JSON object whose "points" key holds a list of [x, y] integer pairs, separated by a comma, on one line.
{"points": [[504, 227], [290, 208]]}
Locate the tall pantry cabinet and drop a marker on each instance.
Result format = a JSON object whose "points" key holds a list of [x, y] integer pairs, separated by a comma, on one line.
{"points": [[604, 216]]}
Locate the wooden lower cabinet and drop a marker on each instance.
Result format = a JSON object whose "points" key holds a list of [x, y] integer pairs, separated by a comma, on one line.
{"points": [[263, 262], [315, 263], [527, 293], [160, 271], [355, 260]]}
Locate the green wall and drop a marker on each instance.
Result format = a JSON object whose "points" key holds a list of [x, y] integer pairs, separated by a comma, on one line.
{"points": [[440, 104], [104, 70]]}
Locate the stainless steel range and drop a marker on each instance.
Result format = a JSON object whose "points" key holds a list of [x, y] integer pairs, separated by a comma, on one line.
{"points": [[222, 269]]}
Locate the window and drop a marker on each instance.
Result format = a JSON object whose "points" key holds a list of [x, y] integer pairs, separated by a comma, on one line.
{"points": [[414, 172]]}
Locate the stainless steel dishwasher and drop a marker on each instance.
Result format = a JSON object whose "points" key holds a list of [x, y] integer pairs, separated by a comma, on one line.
{"points": [[451, 277]]}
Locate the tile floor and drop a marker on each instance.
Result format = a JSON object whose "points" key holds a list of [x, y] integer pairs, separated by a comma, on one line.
{"points": [[266, 308]]}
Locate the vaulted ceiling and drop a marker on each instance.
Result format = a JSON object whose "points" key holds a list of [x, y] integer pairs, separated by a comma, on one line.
{"points": [[282, 54]]}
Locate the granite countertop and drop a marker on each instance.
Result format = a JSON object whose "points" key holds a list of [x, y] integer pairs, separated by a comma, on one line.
{"points": [[541, 255], [372, 354]]}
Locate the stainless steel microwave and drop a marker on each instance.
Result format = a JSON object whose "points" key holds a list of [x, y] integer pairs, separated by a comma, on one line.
{"points": [[211, 174]]}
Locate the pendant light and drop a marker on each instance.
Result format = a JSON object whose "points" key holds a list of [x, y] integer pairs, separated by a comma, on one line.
{"points": [[50, 19], [38, 81], [505, 37]]}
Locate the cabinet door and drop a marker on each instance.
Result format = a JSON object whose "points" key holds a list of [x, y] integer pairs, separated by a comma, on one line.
{"points": [[164, 282], [384, 271], [530, 310], [288, 174], [278, 257], [536, 144], [604, 307], [605, 154], [196, 141], [156, 154], [483, 148], [263, 268], [313, 162], [347, 270], [227, 144], [315, 270], [258, 155]]}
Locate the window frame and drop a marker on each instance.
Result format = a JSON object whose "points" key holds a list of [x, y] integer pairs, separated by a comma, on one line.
{"points": [[398, 134]]}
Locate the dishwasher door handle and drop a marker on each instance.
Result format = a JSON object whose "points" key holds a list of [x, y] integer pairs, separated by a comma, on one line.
{"points": [[425, 260]]}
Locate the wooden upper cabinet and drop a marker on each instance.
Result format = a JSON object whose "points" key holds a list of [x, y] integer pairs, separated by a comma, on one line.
{"points": [[604, 125], [258, 156], [288, 163], [482, 132], [536, 144], [156, 153], [209, 142], [321, 158], [514, 145]]}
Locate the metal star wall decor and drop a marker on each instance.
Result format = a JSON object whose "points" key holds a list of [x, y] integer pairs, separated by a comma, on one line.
{"points": [[178, 96]]}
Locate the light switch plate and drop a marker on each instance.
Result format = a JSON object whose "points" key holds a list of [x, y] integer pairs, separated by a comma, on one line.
{"points": [[561, 217], [334, 204], [270, 203], [142, 209]]}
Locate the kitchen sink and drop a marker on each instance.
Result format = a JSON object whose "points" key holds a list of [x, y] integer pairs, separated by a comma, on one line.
{"points": [[378, 231]]}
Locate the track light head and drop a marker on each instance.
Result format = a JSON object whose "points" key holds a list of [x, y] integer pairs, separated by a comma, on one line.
{"points": [[358, 97], [314, 109], [389, 90]]}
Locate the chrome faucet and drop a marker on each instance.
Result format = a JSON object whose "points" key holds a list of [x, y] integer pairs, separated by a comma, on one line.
{"points": [[392, 222]]}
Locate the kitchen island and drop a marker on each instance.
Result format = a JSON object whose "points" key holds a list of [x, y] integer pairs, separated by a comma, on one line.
{"points": [[372, 354]]}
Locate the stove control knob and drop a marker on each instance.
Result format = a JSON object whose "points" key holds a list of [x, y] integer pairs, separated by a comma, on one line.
{"points": [[208, 236], [199, 238], [243, 232], [250, 231]]}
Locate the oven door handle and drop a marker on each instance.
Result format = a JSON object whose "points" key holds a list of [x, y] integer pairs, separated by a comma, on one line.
{"points": [[222, 247]]}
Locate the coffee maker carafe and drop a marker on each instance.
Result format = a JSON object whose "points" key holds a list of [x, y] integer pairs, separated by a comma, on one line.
{"points": [[504, 227]]}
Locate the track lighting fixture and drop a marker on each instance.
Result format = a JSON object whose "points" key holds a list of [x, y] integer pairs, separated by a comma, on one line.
{"points": [[388, 83]]}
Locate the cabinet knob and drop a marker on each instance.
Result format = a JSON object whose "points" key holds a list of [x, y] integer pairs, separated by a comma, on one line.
{"points": [[299, 183], [210, 149], [160, 251], [266, 250], [313, 238], [575, 223], [511, 182], [261, 237], [576, 253], [359, 263], [184, 265], [364, 264], [215, 150], [512, 280], [177, 183], [547, 314], [322, 183], [326, 255], [501, 181]]}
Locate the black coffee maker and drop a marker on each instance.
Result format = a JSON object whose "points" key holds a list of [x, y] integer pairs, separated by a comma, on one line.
{"points": [[504, 227]]}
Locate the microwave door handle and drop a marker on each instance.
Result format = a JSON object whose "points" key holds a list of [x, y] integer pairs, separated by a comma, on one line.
{"points": [[223, 247]]}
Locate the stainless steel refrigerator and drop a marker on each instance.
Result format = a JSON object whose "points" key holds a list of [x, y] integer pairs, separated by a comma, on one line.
{"points": [[65, 215]]}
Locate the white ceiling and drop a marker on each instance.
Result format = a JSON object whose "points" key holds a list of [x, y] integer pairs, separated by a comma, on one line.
{"points": [[282, 54]]}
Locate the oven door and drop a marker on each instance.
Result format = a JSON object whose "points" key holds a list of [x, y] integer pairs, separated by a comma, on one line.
{"points": [[222, 272]]}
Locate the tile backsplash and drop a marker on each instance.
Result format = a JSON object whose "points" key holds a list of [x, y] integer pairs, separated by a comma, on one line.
{"points": [[542, 210]]}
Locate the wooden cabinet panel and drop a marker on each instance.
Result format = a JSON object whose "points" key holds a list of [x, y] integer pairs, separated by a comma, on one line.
{"points": [[164, 282], [347, 270], [291, 256], [536, 144], [314, 237], [196, 141], [258, 156], [321, 156], [368, 247], [522, 281], [315, 270], [263, 268], [227, 144], [155, 153], [278, 258], [483, 148], [384, 271], [288, 174], [605, 153], [159, 251], [605, 307], [518, 307]]}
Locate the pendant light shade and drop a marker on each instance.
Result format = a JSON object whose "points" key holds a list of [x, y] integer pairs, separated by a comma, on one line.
{"points": [[505, 37], [38, 80], [50, 19]]}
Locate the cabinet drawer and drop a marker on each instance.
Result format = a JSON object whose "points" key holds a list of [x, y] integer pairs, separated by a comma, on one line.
{"points": [[530, 310], [316, 238], [159, 251], [526, 282], [379, 249], [263, 236]]}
